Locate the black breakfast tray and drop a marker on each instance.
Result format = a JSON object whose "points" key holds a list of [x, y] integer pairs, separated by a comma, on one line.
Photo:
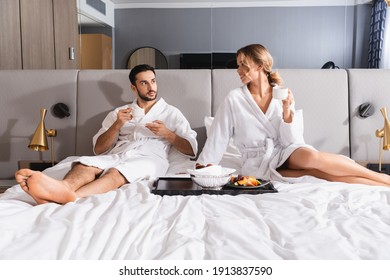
{"points": [[185, 186]]}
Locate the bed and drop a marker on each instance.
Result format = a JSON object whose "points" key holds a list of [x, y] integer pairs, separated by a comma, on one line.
{"points": [[308, 220]]}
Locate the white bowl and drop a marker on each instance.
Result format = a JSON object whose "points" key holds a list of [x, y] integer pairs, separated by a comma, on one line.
{"points": [[208, 170], [209, 181]]}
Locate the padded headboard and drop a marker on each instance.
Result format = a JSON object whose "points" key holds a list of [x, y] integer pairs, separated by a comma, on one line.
{"points": [[322, 94], [91, 94], [373, 86], [22, 94], [100, 91]]}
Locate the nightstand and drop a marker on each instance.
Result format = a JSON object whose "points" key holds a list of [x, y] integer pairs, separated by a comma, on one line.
{"points": [[5, 184], [375, 166], [385, 168], [37, 165]]}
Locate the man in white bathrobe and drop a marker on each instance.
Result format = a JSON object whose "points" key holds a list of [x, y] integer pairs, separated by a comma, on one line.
{"points": [[132, 144]]}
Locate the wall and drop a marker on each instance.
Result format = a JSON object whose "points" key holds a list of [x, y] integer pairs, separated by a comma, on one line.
{"points": [[298, 37], [172, 31]]}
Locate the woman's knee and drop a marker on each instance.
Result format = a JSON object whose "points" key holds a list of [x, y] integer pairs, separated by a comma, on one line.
{"points": [[305, 158]]}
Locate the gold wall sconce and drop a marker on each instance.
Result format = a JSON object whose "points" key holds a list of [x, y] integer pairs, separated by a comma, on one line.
{"points": [[384, 137], [39, 139]]}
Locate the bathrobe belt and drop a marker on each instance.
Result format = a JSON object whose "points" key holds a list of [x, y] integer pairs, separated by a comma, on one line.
{"points": [[263, 153]]}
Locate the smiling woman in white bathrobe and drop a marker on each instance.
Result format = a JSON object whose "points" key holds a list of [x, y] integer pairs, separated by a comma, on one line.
{"points": [[269, 132]]}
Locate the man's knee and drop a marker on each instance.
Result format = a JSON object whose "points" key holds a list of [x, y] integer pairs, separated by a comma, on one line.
{"points": [[116, 176], [90, 169]]}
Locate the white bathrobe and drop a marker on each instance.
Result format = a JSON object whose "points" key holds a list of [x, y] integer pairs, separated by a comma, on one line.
{"points": [[139, 153], [264, 140]]}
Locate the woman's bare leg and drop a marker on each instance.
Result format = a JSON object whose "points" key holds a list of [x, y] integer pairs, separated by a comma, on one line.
{"points": [[335, 165], [328, 177]]}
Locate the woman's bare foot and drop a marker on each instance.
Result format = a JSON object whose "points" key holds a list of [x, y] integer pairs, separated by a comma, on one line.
{"points": [[385, 178], [43, 188]]}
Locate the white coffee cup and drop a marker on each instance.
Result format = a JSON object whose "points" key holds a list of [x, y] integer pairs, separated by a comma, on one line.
{"points": [[137, 112], [279, 92]]}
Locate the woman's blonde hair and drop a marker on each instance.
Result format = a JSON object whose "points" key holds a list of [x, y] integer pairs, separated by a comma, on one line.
{"points": [[261, 56]]}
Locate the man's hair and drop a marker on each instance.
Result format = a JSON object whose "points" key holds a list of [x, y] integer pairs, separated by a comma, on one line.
{"points": [[138, 69]]}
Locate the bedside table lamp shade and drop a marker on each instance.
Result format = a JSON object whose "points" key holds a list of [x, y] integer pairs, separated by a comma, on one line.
{"points": [[39, 139], [384, 137]]}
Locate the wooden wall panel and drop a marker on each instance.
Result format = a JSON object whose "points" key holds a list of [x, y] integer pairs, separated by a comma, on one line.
{"points": [[38, 34], [10, 42], [66, 33]]}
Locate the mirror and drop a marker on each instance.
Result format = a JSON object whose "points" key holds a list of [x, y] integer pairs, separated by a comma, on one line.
{"points": [[147, 55], [171, 30], [96, 42]]}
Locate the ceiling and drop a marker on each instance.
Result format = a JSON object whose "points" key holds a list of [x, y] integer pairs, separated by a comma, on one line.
{"points": [[230, 3], [86, 20]]}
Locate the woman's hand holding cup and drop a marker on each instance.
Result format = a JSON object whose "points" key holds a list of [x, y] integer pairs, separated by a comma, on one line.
{"points": [[279, 92]]}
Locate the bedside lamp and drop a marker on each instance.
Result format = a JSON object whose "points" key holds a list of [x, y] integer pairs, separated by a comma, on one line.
{"points": [[39, 140], [384, 137]]}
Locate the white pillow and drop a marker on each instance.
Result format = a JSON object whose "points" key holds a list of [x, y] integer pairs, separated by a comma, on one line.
{"points": [[232, 157], [231, 150], [178, 162]]}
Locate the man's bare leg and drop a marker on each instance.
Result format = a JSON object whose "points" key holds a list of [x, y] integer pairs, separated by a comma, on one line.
{"points": [[80, 175], [111, 180], [46, 189], [21, 177], [43, 188]]}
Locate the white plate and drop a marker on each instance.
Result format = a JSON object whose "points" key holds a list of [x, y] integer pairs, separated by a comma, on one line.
{"points": [[263, 183]]}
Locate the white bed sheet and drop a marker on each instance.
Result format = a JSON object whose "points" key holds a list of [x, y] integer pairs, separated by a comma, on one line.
{"points": [[311, 220]]}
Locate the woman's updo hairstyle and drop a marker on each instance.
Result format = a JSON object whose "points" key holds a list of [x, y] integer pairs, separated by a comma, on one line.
{"points": [[261, 56]]}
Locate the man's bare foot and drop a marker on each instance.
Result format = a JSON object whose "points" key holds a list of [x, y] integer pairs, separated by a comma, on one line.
{"points": [[43, 188], [21, 177]]}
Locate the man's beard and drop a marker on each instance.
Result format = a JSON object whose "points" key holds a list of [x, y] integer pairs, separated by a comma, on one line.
{"points": [[145, 98]]}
